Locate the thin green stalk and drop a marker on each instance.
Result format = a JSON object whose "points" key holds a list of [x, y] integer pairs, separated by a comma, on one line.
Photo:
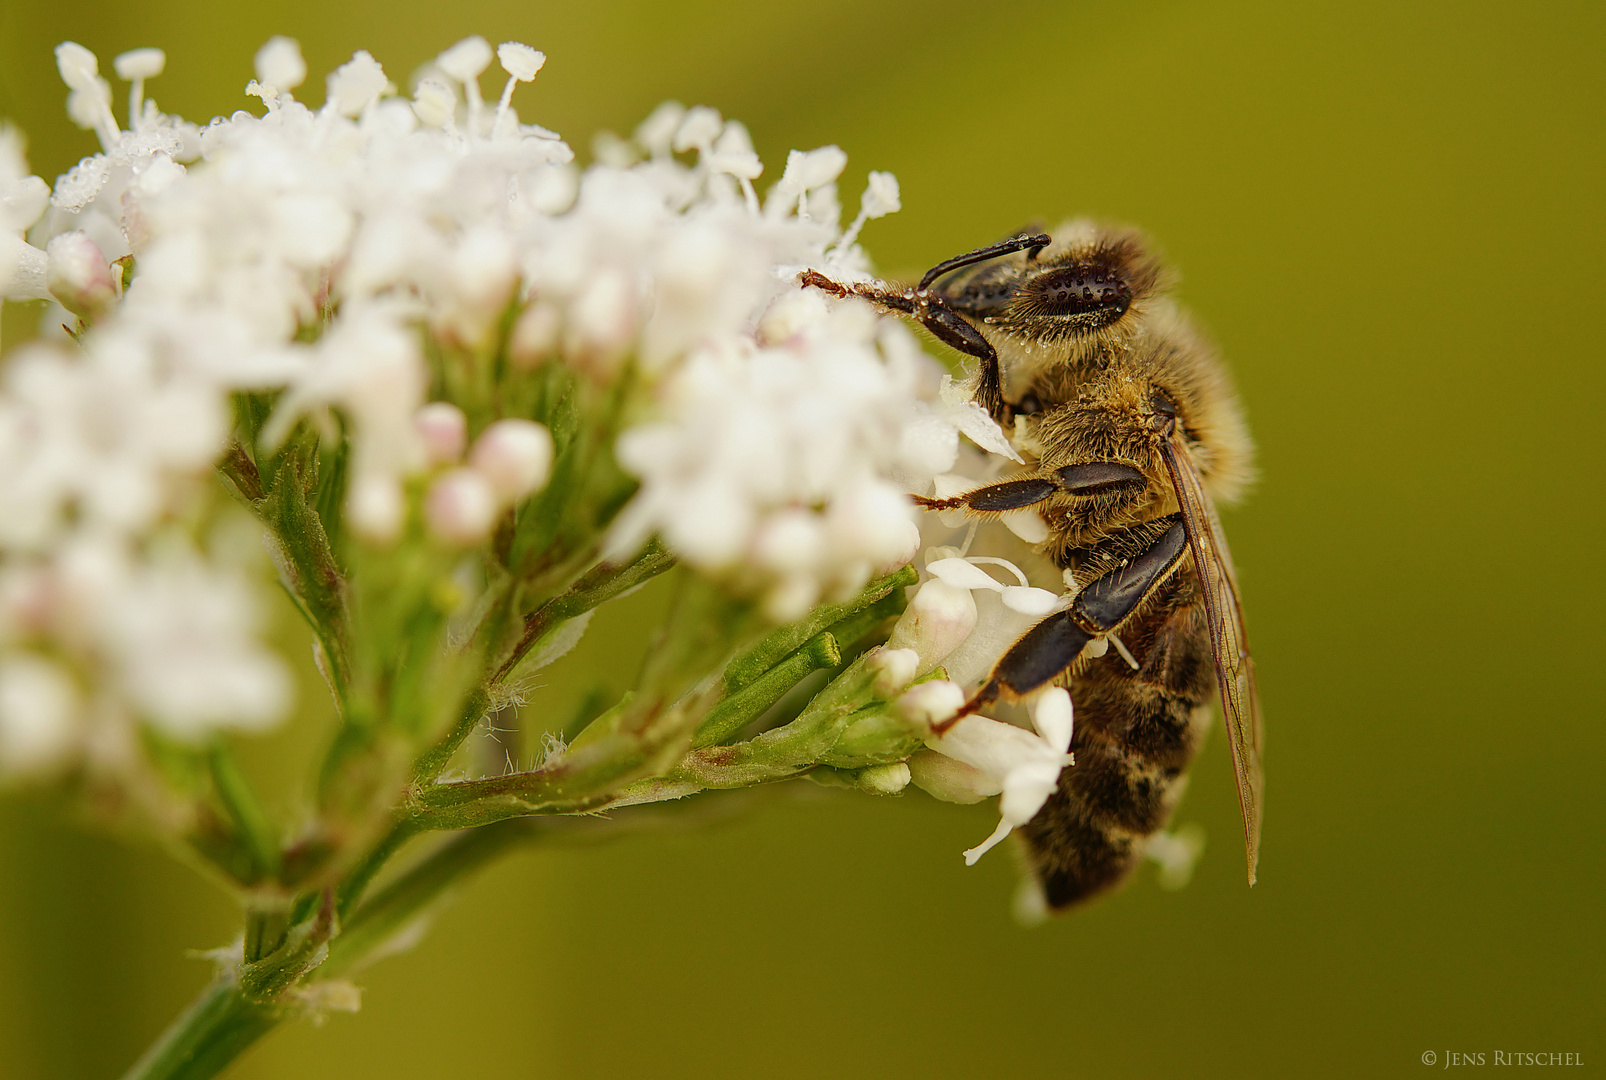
{"points": [[245, 809], [217, 1028], [595, 588], [788, 639], [389, 910], [743, 707]]}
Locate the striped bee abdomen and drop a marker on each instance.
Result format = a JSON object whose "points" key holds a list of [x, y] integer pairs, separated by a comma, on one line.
{"points": [[1136, 733]]}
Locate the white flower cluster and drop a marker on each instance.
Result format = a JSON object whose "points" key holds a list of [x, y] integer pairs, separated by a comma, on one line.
{"points": [[329, 253], [964, 618], [304, 250]]}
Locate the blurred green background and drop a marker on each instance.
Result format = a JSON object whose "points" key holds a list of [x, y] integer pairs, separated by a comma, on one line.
{"points": [[1391, 217]]}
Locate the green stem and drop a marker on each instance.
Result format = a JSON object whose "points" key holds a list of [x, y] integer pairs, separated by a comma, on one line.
{"points": [[777, 644], [743, 707], [245, 809], [219, 1026], [389, 911], [601, 584]]}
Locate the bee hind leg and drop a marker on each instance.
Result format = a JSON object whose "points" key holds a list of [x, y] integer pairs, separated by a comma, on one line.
{"points": [[1053, 645]]}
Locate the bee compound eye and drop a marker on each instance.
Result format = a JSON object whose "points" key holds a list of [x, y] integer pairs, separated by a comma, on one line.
{"points": [[1090, 295]]}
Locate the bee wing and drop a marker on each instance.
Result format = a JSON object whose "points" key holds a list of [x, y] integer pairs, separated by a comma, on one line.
{"points": [[1229, 640]]}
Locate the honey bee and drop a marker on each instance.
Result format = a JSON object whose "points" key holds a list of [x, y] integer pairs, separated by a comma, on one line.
{"points": [[1131, 428]]}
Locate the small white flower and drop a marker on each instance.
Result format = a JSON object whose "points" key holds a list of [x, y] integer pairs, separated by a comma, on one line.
{"points": [[1176, 853], [656, 134], [1026, 767], [937, 621], [808, 170], [1053, 716]]}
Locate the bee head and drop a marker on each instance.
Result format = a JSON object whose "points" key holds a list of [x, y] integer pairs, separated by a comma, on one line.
{"points": [[1085, 285]]}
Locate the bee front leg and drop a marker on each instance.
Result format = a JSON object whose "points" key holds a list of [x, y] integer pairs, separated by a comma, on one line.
{"points": [[1053, 645], [930, 309]]}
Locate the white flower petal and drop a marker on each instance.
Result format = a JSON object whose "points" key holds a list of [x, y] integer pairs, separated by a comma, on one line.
{"points": [[963, 574], [1030, 601]]}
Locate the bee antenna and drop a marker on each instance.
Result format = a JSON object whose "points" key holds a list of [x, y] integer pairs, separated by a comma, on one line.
{"points": [[1031, 243]]}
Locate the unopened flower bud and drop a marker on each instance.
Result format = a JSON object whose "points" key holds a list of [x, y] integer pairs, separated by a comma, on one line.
{"points": [[444, 429], [79, 275], [931, 702], [883, 779], [936, 622], [895, 669], [515, 457], [942, 777], [461, 507]]}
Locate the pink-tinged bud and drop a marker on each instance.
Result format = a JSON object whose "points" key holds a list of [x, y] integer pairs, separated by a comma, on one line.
{"points": [[79, 275], [936, 622], [895, 670], [444, 429], [515, 457], [461, 507]]}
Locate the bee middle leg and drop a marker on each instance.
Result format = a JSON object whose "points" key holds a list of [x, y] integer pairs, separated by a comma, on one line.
{"points": [[1053, 645]]}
